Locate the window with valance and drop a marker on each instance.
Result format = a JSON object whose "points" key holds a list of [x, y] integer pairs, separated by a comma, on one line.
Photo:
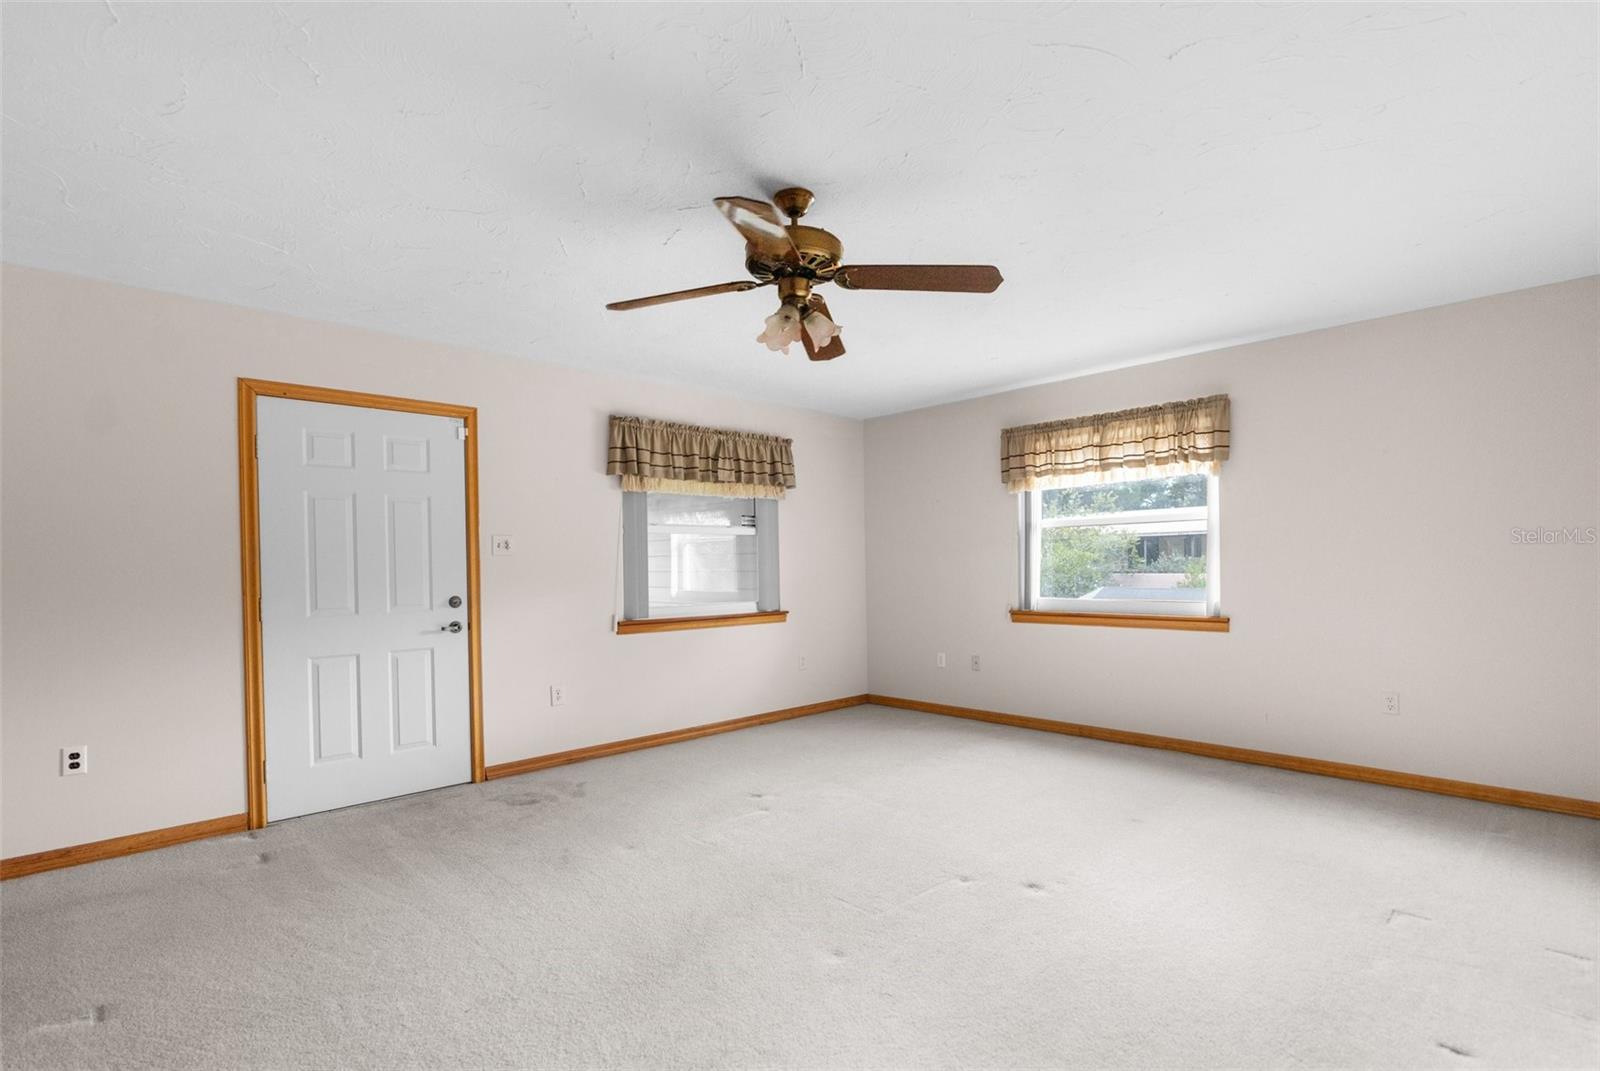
{"points": [[1118, 515]]}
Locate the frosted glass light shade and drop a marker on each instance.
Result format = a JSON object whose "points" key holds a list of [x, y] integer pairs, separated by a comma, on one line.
{"points": [[783, 329], [821, 329]]}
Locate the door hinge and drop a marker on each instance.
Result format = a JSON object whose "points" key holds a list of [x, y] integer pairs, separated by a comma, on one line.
{"points": [[461, 432], [257, 444], [258, 609]]}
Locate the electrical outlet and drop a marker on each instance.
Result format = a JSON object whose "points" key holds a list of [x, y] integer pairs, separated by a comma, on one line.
{"points": [[938, 659], [558, 695], [74, 761], [499, 544], [802, 661], [1391, 702], [974, 663]]}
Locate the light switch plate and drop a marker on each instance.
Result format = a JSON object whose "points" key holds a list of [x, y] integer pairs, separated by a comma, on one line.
{"points": [[499, 544]]}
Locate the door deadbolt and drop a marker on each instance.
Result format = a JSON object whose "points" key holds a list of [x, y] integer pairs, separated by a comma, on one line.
{"points": [[455, 600], [454, 626]]}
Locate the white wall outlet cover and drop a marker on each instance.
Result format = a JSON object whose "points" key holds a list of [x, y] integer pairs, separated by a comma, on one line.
{"points": [[74, 761], [802, 661], [499, 544], [974, 663], [938, 660], [558, 695], [1391, 702]]}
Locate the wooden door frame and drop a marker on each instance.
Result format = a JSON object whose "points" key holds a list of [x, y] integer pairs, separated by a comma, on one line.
{"points": [[255, 712]]}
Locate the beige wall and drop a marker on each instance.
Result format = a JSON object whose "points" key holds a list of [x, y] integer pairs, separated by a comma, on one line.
{"points": [[1378, 471], [1393, 569], [121, 574]]}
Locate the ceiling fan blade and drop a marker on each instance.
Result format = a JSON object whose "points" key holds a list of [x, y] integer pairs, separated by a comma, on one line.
{"points": [[684, 295], [811, 347], [835, 346], [760, 225], [951, 278]]}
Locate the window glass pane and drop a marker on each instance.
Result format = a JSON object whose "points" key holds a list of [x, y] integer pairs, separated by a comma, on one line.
{"points": [[1151, 546], [1172, 492], [702, 554]]}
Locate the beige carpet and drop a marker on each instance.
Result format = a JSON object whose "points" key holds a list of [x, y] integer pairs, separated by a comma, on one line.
{"points": [[868, 888]]}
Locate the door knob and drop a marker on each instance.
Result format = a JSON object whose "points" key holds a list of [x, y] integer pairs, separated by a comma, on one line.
{"points": [[454, 626], [455, 600]]}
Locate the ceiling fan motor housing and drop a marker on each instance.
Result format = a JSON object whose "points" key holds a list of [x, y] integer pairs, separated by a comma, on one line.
{"points": [[820, 256]]}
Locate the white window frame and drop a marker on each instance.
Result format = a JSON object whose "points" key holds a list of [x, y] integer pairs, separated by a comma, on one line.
{"points": [[1030, 528], [636, 529]]}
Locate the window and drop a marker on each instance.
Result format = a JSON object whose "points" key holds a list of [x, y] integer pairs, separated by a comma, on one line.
{"points": [[698, 555], [1134, 546]]}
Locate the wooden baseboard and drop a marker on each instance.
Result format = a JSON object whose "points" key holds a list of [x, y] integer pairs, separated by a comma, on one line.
{"points": [[21, 865], [55, 858], [617, 747], [1514, 797]]}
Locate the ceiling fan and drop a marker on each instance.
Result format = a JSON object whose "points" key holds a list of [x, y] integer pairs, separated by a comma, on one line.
{"points": [[797, 259]]}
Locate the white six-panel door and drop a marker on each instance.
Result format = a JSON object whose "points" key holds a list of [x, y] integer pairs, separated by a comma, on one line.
{"points": [[363, 546]]}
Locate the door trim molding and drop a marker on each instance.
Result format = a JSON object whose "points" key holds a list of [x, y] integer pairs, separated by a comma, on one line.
{"points": [[255, 740]]}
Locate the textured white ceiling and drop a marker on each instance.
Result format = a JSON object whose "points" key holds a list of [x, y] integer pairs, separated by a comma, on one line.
{"points": [[1152, 179]]}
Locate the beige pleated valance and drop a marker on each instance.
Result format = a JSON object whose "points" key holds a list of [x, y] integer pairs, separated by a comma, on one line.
{"points": [[1157, 440], [653, 455]]}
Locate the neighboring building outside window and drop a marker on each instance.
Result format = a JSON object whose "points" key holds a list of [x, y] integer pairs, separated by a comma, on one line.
{"points": [[698, 555], [702, 555], [1123, 546]]}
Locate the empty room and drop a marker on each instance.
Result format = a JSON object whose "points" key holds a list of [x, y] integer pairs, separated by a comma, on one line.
{"points": [[799, 536]]}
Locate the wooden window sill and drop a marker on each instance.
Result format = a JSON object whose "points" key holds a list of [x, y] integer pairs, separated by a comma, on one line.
{"points": [[677, 624], [1183, 624]]}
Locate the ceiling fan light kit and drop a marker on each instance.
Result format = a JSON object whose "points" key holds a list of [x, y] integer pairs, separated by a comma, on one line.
{"points": [[796, 258]]}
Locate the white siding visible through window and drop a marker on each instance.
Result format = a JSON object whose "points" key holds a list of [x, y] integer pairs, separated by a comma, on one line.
{"points": [[702, 555], [689, 568]]}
